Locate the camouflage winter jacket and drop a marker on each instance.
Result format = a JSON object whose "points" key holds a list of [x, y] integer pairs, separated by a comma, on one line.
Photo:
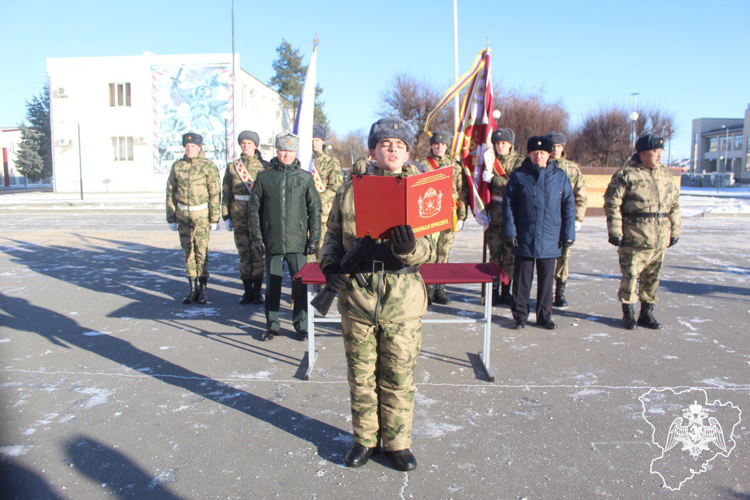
{"points": [[643, 206], [285, 208], [193, 192], [509, 162], [233, 186], [329, 172], [577, 183], [388, 297], [460, 188]]}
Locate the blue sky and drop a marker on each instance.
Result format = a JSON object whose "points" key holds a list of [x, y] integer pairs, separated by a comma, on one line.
{"points": [[687, 56]]}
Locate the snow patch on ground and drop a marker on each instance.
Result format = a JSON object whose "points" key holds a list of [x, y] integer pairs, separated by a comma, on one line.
{"points": [[98, 396], [262, 375], [93, 334], [197, 313], [434, 430], [587, 392], [2, 341], [14, 450]]}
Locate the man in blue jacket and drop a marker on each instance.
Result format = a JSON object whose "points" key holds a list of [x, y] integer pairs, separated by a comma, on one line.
{"points": [[538, 220]]}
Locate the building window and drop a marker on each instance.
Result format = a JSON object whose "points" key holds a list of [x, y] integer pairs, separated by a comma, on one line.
{"points": [[738, 143], [710, 145], [122, 148], [722, 144], [119, 95]]}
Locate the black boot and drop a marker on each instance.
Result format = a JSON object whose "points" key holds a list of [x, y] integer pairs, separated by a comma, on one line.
{"points": [[440, 297], [646, 318], [496, 295], [628, 316], [430, 294], [403, 460], [560, 294], [505, 296], [359, 455], [247, 297], [189, 297], [257, 285], [202, 285]]}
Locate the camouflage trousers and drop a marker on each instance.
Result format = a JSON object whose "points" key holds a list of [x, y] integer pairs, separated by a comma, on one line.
{"points": [[500, 253], [443, 247], [641, 267], [252, 266], [380, 368], [562, 271], [194, 242]]}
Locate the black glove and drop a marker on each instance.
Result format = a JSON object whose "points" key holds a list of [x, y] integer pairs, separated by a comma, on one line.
{"points": [[311, 247], [615, 240], [566, 243], [511, 241], [402, 239], [673, 241], [259, 246], [335, 278]]}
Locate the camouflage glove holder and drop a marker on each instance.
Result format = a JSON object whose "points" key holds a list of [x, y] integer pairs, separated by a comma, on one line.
{"points": [[511, 241], [615, 240], [402, 239], [311, 247]]}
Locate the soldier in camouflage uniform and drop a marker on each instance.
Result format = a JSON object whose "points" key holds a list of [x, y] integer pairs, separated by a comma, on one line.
{"points": [[562, 270], [328, 181], [501, 161], [360, 165], [642, 204], [235, 210], [438, 159], [193, 209], [381, 322]]}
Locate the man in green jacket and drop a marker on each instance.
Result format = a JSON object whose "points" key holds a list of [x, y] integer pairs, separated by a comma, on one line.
{"points": [[285, 224], [239, 178], [642, 203], [501, 161], [438, 158], [329, 177], [562, 270], [193, 209]]}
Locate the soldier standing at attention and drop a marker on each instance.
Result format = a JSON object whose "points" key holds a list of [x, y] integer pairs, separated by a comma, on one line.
{"points": [[329, 177], [642, 204], [235, 210], [438, 159], [285, 224], [501, 161], [381, 321], [193, 209], [562, 271]]}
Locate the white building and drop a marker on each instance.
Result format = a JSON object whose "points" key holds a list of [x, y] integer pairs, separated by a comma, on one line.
{"points": [[117, 122], [10, 141]]}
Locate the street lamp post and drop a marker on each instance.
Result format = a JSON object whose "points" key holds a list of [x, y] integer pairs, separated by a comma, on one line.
{"points": [[633, 119]]}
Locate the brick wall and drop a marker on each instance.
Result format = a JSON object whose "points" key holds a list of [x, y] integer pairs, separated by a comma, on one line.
{"points": [[597, 179]]}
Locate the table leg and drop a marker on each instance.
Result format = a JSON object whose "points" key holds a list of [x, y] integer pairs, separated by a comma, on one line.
{"points": [[312, 354], [484, 356]]}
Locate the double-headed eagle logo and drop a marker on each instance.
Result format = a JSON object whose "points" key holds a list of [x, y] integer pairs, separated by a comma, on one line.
{"points": [[695, 436], [431, 203]]}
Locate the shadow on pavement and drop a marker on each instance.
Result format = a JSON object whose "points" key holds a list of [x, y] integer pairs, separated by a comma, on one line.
{"points": [[20, 482], [121, 475], [62, 331]]}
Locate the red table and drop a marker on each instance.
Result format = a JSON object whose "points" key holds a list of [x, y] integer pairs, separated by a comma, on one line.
{"points": [[432, 274]]}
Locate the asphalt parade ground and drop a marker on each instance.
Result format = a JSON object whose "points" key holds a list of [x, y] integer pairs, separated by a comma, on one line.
{"points": [[111, 387]]}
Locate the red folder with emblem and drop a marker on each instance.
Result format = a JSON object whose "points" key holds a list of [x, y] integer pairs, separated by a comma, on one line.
{"points": [[424, 201]]}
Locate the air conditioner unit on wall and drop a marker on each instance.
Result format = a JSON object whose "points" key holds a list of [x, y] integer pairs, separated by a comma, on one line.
{"points": [[63, 141], [60, 92]]}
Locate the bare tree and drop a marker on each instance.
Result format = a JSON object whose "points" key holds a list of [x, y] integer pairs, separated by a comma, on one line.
{"points": [[412, 100], [348, 148], [528, 114], [604, 138]]}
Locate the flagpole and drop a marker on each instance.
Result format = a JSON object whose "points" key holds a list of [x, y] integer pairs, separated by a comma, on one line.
{"points": [[456, 103]]}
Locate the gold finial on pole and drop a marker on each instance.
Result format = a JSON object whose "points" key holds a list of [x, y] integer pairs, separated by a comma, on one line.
{"points": [[316, 40]]}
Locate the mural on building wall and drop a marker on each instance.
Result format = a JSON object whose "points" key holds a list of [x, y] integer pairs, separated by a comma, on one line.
{"points": [[191, 98]]}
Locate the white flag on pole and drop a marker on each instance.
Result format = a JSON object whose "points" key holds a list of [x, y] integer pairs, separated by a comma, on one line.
{"points": [[303, 125]]}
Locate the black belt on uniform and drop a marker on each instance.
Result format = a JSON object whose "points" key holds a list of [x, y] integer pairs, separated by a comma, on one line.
{"points": [[647, 215]]}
